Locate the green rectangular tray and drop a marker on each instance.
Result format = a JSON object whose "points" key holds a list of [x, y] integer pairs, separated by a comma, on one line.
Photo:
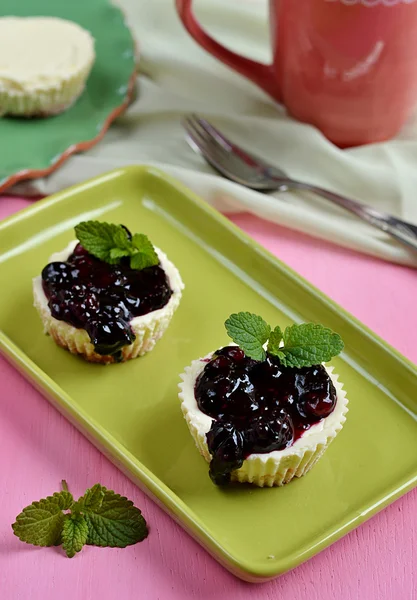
{"points": [[132, 413]]}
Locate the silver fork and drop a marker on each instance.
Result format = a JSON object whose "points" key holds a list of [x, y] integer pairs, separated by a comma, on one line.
{"points": [[253, 172]]}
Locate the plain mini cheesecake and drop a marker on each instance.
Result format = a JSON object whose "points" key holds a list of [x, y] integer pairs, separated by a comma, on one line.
{"points": [[259, 420], [107, 312], [45, 62]]}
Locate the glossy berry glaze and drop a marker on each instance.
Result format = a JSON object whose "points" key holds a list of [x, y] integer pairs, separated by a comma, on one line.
{"points": [[258, 407], [101, 298]]}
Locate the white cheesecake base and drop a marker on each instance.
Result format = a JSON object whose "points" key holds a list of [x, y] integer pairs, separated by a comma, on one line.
{"points": [[148, 328], [49, 76], [274, 468]]}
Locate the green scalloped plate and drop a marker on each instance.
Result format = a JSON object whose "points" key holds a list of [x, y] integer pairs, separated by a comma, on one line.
{"points": [[131, 411], [35, 147]]}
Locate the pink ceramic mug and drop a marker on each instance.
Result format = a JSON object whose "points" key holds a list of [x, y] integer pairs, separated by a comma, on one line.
{"points": [[347, 66]]}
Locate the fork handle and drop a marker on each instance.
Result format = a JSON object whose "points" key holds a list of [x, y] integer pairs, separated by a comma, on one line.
{"points": [[401, 230]]}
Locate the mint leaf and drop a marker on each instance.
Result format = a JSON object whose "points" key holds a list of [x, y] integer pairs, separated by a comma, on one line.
{"points": [[121, 238], [117, 523], [274, 341], [110, 243], [141, 242], [304, 345], [92, 499], [74, 534], [140, 261], [99, 238], [308, 344], [116, 253], [100, 517], [249, 332], [145, 255], [41, 523]]}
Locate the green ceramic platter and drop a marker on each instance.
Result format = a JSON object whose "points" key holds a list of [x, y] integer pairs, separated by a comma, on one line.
{"points": [[132, 413], [35, 147]]}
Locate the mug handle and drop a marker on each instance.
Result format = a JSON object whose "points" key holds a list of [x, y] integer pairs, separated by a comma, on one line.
{"points": [[261, 74]]}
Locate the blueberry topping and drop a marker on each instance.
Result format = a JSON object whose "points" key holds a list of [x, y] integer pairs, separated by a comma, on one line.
{"points": [[269, 433], [101, 298], [226, 444], [258, 407], [57, 273]]}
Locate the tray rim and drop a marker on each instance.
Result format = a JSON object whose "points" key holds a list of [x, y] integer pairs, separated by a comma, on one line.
{"points": [[120, 456]]}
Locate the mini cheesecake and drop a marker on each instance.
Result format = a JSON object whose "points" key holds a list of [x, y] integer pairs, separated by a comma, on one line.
{"points": [[257, 421], [106, 313], [45, 62]]}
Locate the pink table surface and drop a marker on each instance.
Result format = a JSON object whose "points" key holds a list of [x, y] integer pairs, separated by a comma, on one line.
{"points": [[39, 448]]}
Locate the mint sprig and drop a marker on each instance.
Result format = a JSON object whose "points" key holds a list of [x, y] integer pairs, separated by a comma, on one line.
{"points": [[308, 344], [298, 346], [116, 523], [274, 340], [92, 499], [74, 534], [250, 332], [99, 518], [41, 523], [110, 243]]}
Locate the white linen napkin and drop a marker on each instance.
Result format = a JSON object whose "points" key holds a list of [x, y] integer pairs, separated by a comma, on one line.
{"points": [[178, 77]]}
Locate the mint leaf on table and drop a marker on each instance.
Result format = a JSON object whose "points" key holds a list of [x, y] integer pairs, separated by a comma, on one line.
{"points": [[117, 523], [249, 332], [41, 523], [110, 243], [308, 344], [99, 518], [92, 499], [74, 534]]}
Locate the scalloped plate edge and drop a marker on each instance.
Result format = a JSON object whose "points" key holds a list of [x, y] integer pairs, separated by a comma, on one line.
{"points": [[25, 174]]}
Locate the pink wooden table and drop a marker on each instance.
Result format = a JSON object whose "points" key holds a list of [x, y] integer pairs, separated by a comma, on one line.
{"points": [[39, 448]]}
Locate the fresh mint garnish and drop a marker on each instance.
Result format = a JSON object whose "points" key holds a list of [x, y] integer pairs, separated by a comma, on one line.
{"points": [[249, 332], [99, 518], [92, 499], [74, 534], [308, 344], [298, 346], [144, 252], [110, 243], [274, 340], [117, 523], [41, 523]]}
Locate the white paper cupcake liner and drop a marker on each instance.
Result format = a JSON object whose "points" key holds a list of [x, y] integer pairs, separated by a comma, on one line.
{"points": [[275, 468], [45, 101], [148, 328]]}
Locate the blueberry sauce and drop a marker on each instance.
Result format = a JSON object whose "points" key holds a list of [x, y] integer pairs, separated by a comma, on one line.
{"points": [[101, 298], [258, 407]]}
